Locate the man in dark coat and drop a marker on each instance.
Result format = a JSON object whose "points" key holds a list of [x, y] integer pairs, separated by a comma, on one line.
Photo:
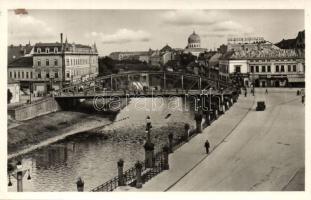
{"points": [[207, 146]]}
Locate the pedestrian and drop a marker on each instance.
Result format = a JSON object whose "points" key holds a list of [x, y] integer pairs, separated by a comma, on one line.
{"points": [[266, 91], [303, 99], [245, 93], [207, 146]]}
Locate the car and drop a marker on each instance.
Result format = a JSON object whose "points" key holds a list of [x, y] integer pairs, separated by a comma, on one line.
{"points": [[261, 106]]}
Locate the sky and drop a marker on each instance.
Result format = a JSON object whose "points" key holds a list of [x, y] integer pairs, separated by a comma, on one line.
{"points": [[131, 30]]}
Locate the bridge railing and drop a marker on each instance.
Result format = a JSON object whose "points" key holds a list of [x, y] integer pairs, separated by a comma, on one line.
{"points": [[99, 79]]}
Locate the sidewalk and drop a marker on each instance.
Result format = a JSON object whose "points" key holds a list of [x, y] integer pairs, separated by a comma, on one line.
{"points": [[188, 156]]}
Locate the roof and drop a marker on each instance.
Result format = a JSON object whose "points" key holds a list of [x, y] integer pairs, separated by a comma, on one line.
{"points": [[15, 52], [194, 38], [22, 62], [263, 54]]}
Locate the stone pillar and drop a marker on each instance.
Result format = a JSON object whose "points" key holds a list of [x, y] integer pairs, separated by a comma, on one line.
{"points": [[198, 120], [165, 158], [120, 173], [208, 118], [138, 167], [80, 185], [19, 178], [216, 113], [149, 154], [186, 134], [170, 142]]}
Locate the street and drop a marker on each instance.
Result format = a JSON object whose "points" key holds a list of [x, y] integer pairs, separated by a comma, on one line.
{"points": [[264, 152]]}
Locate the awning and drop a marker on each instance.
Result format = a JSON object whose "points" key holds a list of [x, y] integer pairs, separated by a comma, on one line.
{"points": [[296, 79]]}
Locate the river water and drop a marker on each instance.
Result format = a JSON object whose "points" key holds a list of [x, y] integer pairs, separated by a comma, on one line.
{"points": [[93, 156]]}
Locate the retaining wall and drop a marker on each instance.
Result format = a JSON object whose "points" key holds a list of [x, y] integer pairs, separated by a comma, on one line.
{"points": [[35, 109]]}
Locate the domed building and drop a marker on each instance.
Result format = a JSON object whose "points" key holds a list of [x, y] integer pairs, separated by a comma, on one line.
{"points": [[194, 41], [194, 45]]}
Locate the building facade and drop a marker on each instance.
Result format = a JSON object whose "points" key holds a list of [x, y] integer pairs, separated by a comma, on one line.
{"points": [[265, 68], [54, 65]]}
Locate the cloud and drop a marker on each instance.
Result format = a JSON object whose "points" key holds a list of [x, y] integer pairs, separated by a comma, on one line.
{"points": [[228, 28], [192, 17], [121, 36], [23, 27]]}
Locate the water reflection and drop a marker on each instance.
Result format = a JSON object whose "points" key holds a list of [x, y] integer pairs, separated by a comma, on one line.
{"points": [[94, 156]]}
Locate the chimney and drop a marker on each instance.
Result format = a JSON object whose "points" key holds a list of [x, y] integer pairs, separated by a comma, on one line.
{"points": [[61, 38]]}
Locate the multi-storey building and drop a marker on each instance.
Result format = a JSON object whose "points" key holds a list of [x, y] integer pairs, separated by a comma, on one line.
{"points": [[53, 65], [265, 68]]}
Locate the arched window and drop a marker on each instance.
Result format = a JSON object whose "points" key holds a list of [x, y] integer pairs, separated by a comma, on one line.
{"points": [[47, 62], [47, 50], [55, 50], [38, 50]]}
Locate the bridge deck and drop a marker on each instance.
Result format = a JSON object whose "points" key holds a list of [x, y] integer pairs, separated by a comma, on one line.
{"points": [[131, 94]]}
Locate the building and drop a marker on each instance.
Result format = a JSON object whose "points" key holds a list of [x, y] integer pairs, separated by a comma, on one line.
{"points": [[194, 45], [53, 65], [15, 52], [14, 89], [265, 67], [57, 64], [22, 70], [248, 44], [296, 43]]}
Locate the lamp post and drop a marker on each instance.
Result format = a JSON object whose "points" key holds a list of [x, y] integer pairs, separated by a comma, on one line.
{"points": [[18, 175]]}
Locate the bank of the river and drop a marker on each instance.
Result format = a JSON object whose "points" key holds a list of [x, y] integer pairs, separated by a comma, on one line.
{"points": [[34, 133], [60, 124]]}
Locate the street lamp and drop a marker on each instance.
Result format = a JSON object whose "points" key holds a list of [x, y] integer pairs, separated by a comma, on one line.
{"points": [[18, 175]]}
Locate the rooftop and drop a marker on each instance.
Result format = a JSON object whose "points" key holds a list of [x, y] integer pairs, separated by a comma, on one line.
{"points": [[22, 62]]}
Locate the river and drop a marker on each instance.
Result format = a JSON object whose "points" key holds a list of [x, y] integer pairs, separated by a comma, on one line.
{"points": [[93, 156]]}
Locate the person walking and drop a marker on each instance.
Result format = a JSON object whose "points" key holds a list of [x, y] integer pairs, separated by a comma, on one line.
{"points": [[266, 91], [207, 146]]}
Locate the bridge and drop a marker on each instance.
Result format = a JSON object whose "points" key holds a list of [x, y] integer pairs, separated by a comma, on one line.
{"points": [[144, 84]]}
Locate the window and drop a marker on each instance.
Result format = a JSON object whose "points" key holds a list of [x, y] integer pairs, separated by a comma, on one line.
{"points": [[282, 68], [237, 68], [18, 74], [14, 74], [39, 63], [56, 75], [277, 68], [39, 75], [10, 74], [67, 61], [55, 50], [263, 68], [252, 69], [47, 62], [289, 68], [47, 50], [47, 75], [294, 68], [27, 75], [268, 68], [38, 50], [23, 74], [257, 68], [68, 75], [30, 74], [55, 62]]}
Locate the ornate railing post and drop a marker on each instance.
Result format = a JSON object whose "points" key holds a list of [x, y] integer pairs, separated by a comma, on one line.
{"points": [[170, 142], [121, 181], [138, 167], [198, 119], [165, 157], [186, 134], [149, 154]]}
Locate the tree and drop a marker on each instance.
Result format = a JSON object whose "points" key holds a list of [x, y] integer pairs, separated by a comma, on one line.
{"points": [[10, 96], [186, 58]]}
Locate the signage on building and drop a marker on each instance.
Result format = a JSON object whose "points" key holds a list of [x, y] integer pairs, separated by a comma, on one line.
{"points": [[237, 40]]}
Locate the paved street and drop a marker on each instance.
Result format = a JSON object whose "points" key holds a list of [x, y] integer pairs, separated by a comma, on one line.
{"points": [[260, 150]]}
